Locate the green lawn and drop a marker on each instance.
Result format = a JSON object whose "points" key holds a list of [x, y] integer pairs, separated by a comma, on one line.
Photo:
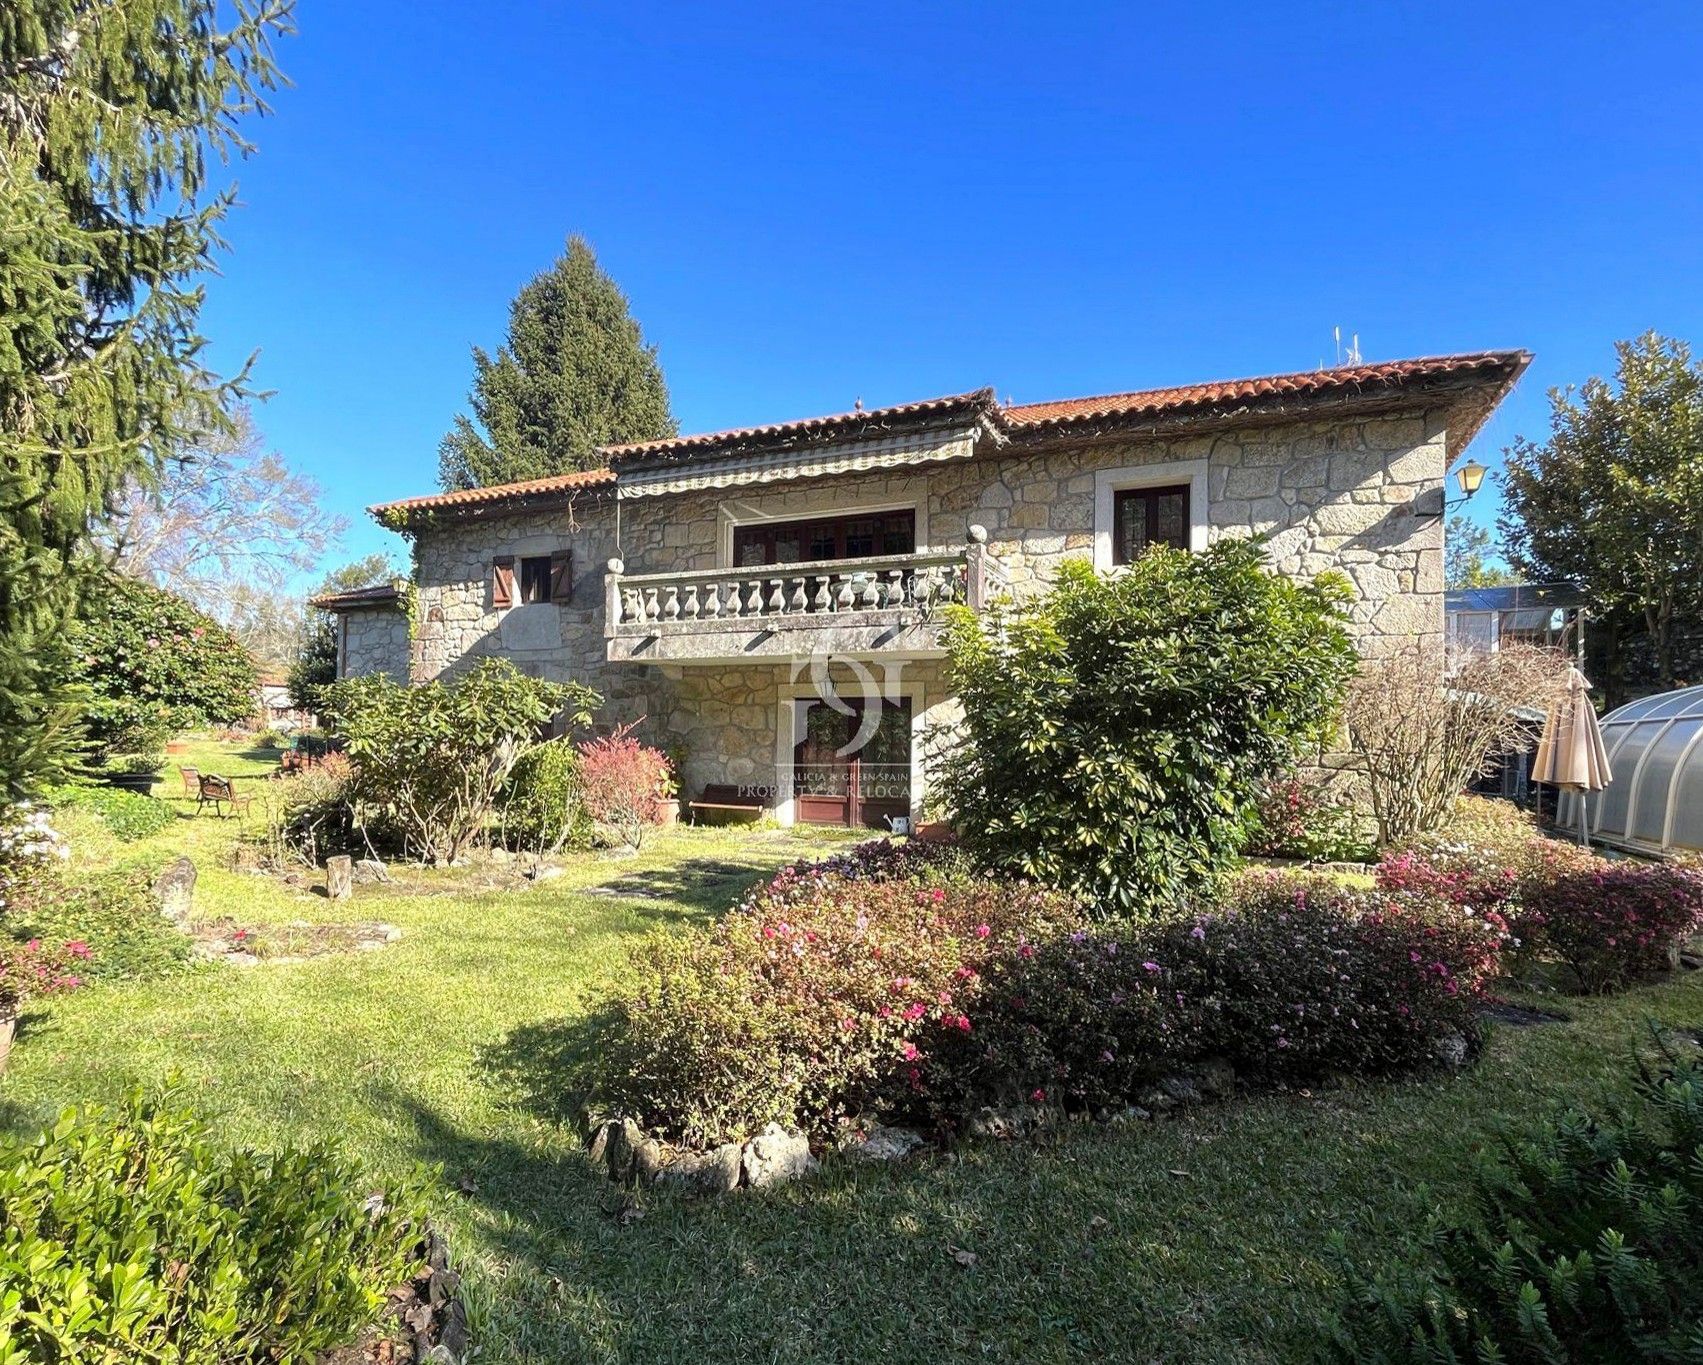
{"points": [[1197, 1240]]}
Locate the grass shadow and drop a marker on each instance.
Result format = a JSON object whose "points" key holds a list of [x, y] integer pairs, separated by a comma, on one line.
{"points": [[534, 1066]]}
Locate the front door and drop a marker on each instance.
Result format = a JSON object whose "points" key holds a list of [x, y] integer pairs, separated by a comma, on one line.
{"points": [[853, 766]]}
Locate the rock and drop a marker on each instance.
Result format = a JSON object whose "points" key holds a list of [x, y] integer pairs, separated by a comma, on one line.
{"points": [[1158, 1099], [879, 1143], [600, 1140], [371, 870], [1181, 1089], [1451, 1050], [619, 1149], [715, 1172], [1132, 1113], [174, 889], [501, 855], [546, 872], [992, 1123], [1215, 1077], [776, 1155], [649, 1157]]}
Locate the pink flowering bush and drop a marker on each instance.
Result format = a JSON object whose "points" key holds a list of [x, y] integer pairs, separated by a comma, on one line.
{"points": [[822, 995], [621, 781], [1298, 817], [1287, 977], [1611, 923], [1306, 977], [30, 968]]}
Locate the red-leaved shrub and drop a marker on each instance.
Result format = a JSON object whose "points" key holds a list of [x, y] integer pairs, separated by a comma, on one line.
{"points": [[1612, 923], [621, 781], [1287, 978], [813, 1000]]}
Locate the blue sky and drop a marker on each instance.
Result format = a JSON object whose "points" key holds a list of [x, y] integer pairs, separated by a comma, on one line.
{"points": [[812, 204]]}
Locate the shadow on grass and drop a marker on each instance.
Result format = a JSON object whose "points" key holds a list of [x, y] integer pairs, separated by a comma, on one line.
{"points": [[701, 883], [535, 1065]]}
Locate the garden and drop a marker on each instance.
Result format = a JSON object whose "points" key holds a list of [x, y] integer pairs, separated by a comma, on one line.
{"points": [[1190, 1046]]}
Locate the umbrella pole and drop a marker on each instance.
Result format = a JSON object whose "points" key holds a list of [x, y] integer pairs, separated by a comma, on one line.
{"points": [[1584, 828]]}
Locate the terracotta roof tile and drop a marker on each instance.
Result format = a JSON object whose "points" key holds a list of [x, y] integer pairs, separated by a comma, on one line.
{"points": [[1302, 384], [834, 424], [472, 498], [381, 595]]}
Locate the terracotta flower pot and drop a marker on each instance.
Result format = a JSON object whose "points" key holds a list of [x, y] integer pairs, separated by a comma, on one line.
{"points": [[177, 746], [666, 811]]}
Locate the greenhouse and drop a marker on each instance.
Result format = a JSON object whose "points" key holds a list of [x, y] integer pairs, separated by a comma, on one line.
{"points": [[1654, 804]]}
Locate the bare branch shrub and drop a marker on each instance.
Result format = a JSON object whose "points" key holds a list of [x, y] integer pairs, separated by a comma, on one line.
{"points": [[1420, 727]]}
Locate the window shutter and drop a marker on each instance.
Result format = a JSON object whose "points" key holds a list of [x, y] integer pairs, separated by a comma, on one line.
{"points": [[561, 575], [502, 581]]}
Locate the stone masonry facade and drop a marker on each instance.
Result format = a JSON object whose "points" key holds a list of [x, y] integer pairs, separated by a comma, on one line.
{"points": [[1329, 494]]}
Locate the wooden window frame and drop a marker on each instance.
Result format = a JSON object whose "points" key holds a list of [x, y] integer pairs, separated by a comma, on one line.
{"points": [[764, 533], [1148, 496]]}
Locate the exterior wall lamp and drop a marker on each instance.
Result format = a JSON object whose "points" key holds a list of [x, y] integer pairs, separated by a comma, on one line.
{"points": [[1433, 502]]}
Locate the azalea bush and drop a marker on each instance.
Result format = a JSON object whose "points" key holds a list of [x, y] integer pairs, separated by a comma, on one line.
{"points": [[30, 968], [1287, 978], [1582, 1242], [103, 925], [134, 1236], [1118, 729], [894, 983], [813, 999], [621, 780], [1613, 923], [430, 759], [1298, 816]]}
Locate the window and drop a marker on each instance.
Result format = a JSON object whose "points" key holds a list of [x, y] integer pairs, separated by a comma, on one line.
{"points": [[1149, 516], [857, 537], [535, 578], [540, 578]]}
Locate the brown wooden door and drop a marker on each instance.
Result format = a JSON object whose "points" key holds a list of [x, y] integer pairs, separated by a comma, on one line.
{"points": [[853, 769]]}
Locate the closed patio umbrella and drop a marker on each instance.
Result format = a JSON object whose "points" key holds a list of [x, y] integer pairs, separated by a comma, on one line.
{"points": [[1571, 752]]}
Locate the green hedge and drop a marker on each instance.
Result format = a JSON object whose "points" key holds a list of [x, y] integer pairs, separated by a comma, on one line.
{"points": [[133, 1237]]}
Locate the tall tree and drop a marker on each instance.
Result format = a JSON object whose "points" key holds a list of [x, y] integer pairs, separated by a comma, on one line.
{"points": [[1613, 499], [224, 513], [1468, 557], [108, 115], [574, 374]]}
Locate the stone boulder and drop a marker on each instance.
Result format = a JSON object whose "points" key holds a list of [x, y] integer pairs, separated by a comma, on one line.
{"points": [[878, 1143], [174, 890], [776, 1155], [704, 1173]]}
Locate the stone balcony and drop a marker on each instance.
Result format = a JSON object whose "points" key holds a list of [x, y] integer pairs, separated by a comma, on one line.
{"points": [[886, 604]]}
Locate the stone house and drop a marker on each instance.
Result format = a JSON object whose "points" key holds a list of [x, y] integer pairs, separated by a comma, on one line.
{"points": [[765, 600]]}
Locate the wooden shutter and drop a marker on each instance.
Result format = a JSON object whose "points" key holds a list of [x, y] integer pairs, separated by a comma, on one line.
{"points": [[502, 581], [561, 575]]}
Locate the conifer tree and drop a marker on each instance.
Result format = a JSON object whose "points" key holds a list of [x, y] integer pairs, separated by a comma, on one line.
{"points": [[574, 374], [109, 114]]}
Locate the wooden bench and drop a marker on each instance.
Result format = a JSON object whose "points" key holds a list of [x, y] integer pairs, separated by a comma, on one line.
{"points": [[721, 803], [221, 794]]}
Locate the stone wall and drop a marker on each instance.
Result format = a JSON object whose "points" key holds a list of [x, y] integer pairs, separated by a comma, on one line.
{"points": [[1330, 495], [374, 641]]}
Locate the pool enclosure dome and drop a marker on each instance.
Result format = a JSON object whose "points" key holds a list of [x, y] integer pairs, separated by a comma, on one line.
{"points": [[1654, 804]]}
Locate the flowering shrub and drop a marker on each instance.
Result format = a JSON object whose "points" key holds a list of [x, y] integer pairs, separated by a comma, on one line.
{"points": [[110, 915], [1287, 978], [1612, 923], [621, 781], [1296, 817], [1308, 977], [30, 969], [874, 860], [813, 1001]]}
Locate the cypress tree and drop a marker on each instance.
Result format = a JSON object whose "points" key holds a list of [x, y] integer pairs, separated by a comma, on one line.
{"points": [[574, 374], [108, 114]]}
